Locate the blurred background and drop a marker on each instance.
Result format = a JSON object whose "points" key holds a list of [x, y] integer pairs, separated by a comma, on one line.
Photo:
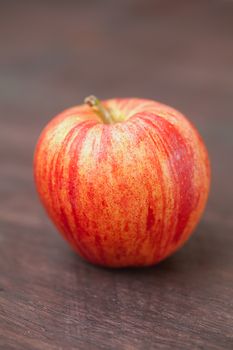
{"points": [[54, 54]]}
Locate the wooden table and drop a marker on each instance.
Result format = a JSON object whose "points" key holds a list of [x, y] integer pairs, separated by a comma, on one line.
{"points": [[53, 54]]}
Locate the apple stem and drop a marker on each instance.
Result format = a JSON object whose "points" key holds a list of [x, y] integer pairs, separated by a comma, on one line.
{"points": [[99, 109]]}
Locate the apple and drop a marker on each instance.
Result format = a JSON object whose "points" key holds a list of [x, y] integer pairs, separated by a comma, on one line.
{"points": [[124, 180]]}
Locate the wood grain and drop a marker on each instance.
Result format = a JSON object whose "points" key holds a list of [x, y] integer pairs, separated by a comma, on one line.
{"points": [[53, 54]]}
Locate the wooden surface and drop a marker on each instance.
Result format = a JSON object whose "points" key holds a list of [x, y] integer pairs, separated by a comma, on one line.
{"points": [[53, 54]]}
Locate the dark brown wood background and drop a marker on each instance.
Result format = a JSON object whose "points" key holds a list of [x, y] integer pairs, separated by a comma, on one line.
{"points": [[53, 54]]}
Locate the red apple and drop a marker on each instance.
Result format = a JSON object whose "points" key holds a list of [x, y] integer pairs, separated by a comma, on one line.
{"points": [[125, 181]]}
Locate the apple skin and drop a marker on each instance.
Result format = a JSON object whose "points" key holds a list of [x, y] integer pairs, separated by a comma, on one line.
{"points": [[123, 194]]}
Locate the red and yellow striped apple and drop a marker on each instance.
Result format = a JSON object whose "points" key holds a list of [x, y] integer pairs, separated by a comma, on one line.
{"points": [[124, 180]]}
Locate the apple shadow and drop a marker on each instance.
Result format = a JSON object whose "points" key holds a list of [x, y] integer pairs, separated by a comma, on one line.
{"points": [[203, 254]]}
